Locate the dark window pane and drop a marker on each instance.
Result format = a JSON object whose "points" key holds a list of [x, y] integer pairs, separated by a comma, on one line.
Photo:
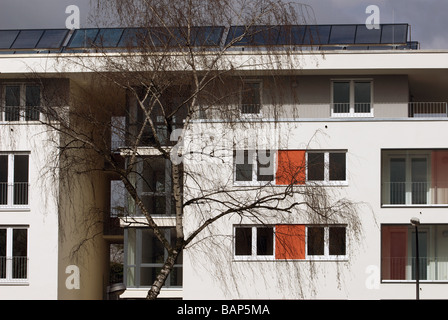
{"points": [[337, 166], [419, 177], [152, 248], [52, 39], [342, 34], [19, 253], [21, 179], [265, 165], [7, 38], [316, 166], [12, 103], [2, 253], [27, 39], [341, 97], [265, 242], [243, 165], [362, 96], [243, 241], [315, 240], [12, 96], [32, 102], [3, 179], [397, 168], [337, 241], [251, 98]]}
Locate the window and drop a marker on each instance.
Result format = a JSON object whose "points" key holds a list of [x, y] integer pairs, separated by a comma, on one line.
{"points": [[154, 185], [251, 98], [254, 166], [326, 166], [14, 180], [298, 242], [13, 254], [352, 98], [414, 177], [22, 102], [145, 256], [398, 252], [326, 242], [292, 167], [253, 242]]}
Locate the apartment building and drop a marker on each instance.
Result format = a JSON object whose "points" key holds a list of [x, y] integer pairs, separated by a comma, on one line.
{"points": [[361, 112]]}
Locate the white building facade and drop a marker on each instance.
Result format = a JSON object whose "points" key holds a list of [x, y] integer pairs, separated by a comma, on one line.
{"points": [[365, 125]]}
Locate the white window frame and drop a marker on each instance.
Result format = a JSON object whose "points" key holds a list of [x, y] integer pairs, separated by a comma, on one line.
{"points": [[352, 113], [326, 256], [251, 115], [327, 181], [253, 255], [22, 102], [407, 155], [9, 255], [10, 206], [253, 159]]}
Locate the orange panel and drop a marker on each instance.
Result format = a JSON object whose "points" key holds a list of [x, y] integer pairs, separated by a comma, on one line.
{"points": [[290, 167], [290, 241]]}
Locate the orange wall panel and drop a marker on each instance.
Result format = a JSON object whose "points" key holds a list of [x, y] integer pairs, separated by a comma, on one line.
{"points": [[290, 241], [291, 167]]}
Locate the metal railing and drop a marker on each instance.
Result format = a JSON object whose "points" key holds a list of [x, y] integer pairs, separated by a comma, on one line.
{"points": [[428, 110], [20, 113], [404, 268], [14, 194], [13, 268], [415, 193], [250, 108]]}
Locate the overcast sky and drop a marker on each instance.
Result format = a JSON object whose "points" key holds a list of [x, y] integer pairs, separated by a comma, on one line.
{"points": [[427, 17]]}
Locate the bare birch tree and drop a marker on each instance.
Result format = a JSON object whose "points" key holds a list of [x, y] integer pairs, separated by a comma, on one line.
{"points": [[171, 73]]}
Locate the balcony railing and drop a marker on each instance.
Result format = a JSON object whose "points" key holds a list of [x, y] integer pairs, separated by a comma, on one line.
{"points": [[20, 113], [13, 268], [404, 268], [414, 193], [250, 109], [428, 110], [382, 110], [14, 194]]}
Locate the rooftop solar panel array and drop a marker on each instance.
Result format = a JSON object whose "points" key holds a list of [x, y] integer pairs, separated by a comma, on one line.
{"points": [[90, 39]]}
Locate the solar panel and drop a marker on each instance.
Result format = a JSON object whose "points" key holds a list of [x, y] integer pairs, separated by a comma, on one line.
{"points": [[52, 39], [83, 38], [349, 37], [7, 38], [342, 34], [27, 39], [367, 36], [316, 35], [394, 33], [108, 38], [132, 37], [291, 35]]}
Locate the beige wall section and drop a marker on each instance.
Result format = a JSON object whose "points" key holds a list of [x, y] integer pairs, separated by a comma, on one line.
{"points": [[84, 199]]}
